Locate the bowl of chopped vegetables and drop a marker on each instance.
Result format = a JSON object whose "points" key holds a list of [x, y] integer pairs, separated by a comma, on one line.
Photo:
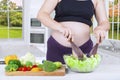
{"points": [[85, 65]]}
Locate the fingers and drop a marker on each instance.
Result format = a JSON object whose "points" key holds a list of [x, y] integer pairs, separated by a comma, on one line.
{"points": [[65, 33], [97, 37], [69, 37], [68, 34], [100, 36]]}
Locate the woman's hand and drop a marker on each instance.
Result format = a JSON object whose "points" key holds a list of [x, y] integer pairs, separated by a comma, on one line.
{"points": [[66, 32], [99, 33]]}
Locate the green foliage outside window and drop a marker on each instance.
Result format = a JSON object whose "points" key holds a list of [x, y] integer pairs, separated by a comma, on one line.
{"points": [[14, 16], [10, 16]]}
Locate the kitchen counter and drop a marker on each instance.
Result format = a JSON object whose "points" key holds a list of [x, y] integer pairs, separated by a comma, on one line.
{"points": [[109, 69], [103, 72]]}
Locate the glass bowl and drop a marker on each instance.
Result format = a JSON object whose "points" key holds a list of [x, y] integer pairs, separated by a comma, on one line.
{"points": [[85, 65]]}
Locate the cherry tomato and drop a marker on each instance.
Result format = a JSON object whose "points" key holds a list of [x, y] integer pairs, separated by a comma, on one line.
{"points": [[24, 68], [34, 66], [20, 69], [28, 68]]}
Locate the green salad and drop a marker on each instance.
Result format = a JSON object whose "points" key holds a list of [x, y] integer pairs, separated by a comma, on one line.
{"points": [[84, 65]]}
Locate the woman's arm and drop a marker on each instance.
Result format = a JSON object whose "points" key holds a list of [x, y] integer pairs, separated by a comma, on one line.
{"points": [[103, 23], [44, 16]]}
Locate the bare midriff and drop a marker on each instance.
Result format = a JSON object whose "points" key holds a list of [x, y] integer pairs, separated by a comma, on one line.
{"points": [[81, 33]]}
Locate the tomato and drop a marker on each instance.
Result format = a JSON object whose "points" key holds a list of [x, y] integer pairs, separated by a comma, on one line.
{"points": [[28, 68], [34, 66], [24, 68], [19, 69]]}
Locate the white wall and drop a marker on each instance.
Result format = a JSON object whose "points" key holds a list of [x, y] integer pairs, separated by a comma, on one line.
{"points": [[34, 7]]}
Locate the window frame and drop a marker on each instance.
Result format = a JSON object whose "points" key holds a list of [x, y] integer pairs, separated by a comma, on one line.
{"points": [[25, 28]]}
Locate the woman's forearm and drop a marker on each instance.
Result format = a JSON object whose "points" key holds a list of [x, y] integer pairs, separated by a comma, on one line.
{"points": [[105, 25], [48, 21]]}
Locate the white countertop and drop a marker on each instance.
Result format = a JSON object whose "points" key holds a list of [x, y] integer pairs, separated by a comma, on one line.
{"points": [[103, 72], [109, 69]]}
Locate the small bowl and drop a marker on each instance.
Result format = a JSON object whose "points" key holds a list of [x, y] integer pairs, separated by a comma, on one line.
{"points": [[85, 65]]}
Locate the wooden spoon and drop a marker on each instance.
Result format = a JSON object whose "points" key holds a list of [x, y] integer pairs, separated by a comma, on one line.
{"points": [[77, 52], [94, 49]]}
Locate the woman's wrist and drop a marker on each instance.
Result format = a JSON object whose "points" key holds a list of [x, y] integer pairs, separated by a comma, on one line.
{"points": [[105, 25], [58, 27], [100, 28]]}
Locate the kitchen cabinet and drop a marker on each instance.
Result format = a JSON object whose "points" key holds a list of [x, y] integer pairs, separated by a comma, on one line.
{"points": [[35, 33]]}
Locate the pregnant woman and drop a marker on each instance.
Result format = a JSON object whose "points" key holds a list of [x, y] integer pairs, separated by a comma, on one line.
{"points": [[72, 21]]}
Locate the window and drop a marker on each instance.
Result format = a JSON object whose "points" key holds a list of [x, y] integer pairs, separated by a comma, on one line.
{"points": [[11, 12], [114, 18]]}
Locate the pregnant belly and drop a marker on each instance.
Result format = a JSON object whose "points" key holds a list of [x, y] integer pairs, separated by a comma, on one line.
{"points": [[80, 31]]}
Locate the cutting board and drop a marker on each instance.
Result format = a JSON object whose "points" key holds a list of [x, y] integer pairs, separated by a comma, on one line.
{"points": [[58, 72]]}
